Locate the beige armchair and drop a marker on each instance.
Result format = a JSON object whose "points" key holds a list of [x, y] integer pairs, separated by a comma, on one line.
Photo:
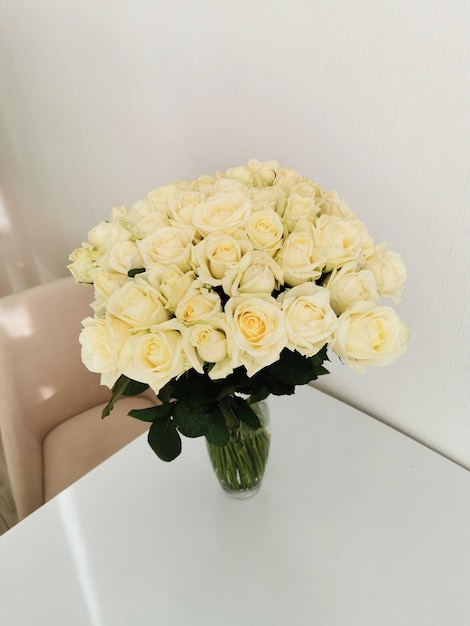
{"points": [[50, 404]]}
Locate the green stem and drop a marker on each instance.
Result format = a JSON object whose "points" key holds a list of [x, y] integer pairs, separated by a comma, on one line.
{"points": [[240, 464]]}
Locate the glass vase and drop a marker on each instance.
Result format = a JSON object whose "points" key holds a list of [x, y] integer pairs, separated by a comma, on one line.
{"points": [[240, 464]]}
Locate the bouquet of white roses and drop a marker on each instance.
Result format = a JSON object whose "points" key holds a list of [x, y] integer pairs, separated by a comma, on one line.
{"points": [[220, 291]]}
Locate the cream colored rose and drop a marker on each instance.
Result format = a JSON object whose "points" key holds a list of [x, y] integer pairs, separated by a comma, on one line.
{"points": [[240, 172], [124, 256], [367, 241], [141, 208], [265, 231], [267, 199], [171, 283], [310, 320], [308, 188], [388, 270], [169, 245], [105, 284], [146, 216], [83, 267], [348, 286], [198, 304], [222, 212], [105, 234], [147, 224], [342, 240], [157, 355], [332, 204], [138, 304], [256, 173], [259, 331], [368, 334], [210, 342], [103, 341], [300, 212], [300, 259], [118, 214], [227, 185], [182, 206], [286, 178], [257, 274], [203, 182], [158, 198], [214, 254]]}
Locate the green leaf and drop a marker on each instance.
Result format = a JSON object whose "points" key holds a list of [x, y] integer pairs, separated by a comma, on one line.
{"points": [[260, 392], [293, 368], [218, 433], [132, 273], [124, 386], [244, 412], [152, 413], [166, 393], [164, 439], [116, 392], [134, 388], [320, 371], [195, 389], [191, 422]]}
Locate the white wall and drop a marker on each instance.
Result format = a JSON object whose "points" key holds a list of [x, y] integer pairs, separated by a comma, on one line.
{"points": [[102, 101]]}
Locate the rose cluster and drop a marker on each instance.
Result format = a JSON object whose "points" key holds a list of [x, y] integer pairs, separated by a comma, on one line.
{"points": [[229, 271]]}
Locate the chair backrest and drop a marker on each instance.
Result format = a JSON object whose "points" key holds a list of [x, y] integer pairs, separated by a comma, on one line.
{"points": [[42, 378]]}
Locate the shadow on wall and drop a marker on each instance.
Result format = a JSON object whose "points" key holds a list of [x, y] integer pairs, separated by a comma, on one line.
{"points": [[18, 268]]}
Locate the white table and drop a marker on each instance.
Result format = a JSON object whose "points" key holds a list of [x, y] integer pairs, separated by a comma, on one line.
{"points": [[355, 524]]}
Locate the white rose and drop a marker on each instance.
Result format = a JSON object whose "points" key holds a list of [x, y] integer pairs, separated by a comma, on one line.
{"points": [[367, 241], [286, 178], [299, 212], [257, 274], [158, 198], [83, 267], [105, 234], [258, 329], [388, 270], [256, 173], [198, 304], [118, 214], [341, 239], [171, 283], [168, 245], [332, 204], [124, 256], [183, 205], [141, 208], [227, 185], [203, 182], [310, 320], [138, 304], [221, 212], [103, 341], [348, 286], [267, 198], [307, 188], [368, 334], [105, 284], [300, 259], [145, 216], [265, 231], [147, 224], [157, 355], [214, 254], [210, 342]]}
